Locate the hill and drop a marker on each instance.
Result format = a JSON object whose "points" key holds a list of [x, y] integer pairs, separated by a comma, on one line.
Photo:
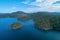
{"points": [[18, 15]]}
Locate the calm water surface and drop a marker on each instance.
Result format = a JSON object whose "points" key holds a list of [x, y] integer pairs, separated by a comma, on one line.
{"points": [[26, 32]]}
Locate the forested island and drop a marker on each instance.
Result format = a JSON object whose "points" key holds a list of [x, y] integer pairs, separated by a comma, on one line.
{"points": [[19, 15], [15, 25], [43, 20], [47, 21]]}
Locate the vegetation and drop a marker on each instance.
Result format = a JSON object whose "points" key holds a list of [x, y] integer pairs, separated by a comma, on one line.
{"points": [[19, 15], [47, 21], [15, 25], [43, 20]]}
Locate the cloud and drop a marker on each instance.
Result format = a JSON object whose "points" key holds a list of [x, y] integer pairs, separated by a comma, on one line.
{"points": [[37, 3], [33, 9], [13, 9], [57, 2], [26, 2], [43, 5], [47, 9], [43, 2]]}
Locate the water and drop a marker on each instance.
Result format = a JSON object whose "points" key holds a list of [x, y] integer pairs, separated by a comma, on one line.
{"points": [[26, 32]]}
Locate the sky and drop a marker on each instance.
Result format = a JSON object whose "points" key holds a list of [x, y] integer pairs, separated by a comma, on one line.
{"points": [[8, 6]]}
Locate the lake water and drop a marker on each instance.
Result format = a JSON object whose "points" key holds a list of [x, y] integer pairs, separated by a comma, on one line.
{"points": [[26, 32]]}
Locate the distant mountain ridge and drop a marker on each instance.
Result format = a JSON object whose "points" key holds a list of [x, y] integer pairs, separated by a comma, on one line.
{"points": [[18, 15], [21, 13], [13, 14]]}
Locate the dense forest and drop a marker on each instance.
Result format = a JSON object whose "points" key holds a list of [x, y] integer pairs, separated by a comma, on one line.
{"points": [[43, 20], [47, 20]]}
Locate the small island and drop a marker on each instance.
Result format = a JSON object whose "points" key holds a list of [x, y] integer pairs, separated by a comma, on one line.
{"points": [[42, 20], [15, 25]]}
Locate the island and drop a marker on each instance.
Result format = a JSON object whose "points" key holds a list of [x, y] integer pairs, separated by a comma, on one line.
{"points": [[42, 20], [15, 25], [47, 21]]}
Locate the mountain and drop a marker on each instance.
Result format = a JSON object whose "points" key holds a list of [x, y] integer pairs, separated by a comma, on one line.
{"points": [[21, 15], [18, 15]]}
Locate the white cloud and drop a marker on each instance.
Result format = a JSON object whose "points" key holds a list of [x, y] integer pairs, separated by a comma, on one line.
{"points": [[37, 3], [33, 9], [13, 9], [49, 9], [43, 2], [26, 2], [43, 5]]}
